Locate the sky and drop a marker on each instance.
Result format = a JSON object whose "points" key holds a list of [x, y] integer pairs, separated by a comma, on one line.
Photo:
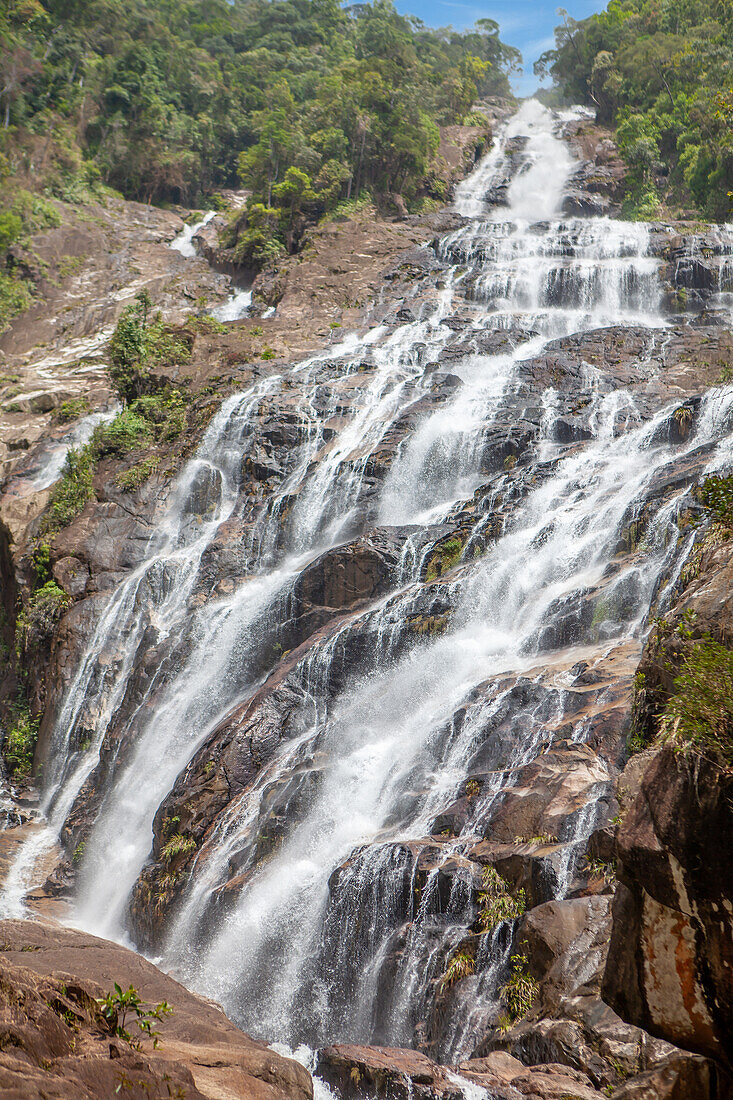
{"points": [[526, 24]]}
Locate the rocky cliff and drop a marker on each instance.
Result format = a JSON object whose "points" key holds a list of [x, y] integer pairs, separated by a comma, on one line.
{"points": [[338, 718]]}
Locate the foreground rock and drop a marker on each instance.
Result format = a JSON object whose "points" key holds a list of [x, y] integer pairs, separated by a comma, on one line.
{"points": [[54, 1041], [671, 954], [356, 1072], [398, 1074]]}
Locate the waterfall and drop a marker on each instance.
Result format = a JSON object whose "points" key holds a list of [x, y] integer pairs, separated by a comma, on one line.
{"points": [[183, 243], [235, 307], [342, 928], [53, 459]]}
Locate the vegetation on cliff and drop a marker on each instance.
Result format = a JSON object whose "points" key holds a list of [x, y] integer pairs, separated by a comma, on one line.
{"points": [[306, 101], [662, 74], [700, 712], [683, 691]]}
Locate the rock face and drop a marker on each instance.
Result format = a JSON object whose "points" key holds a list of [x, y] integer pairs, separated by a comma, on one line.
{"points": [[55, 1042], [671, 953], [320, 611]]}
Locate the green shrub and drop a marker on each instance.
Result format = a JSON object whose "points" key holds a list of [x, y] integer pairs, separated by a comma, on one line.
{"points": [[35, 212], [699, 714], [716, 495], [139, 347], [129, 480], [37, 620], [41, 562], [156, 418], [206, 325], [15, 296], [72, 491], [72, 409], [10, 229], [20, 739], [518, 994], [476, 118], [120, 1005], [166, 411], [128, 431]]}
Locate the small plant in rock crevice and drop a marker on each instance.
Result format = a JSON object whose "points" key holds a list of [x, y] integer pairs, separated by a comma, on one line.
{"points": [[496, 904], [538, 838], [120, 1005], [461, 965], [177, 845], [683, 420], [598, 868], [443, 558], [518, 993]]}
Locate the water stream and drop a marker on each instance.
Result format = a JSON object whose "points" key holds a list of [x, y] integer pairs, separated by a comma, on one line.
{"points": [[183, 243], [330, 935]]}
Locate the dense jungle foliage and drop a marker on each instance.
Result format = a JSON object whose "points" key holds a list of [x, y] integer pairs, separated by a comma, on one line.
{"points": [[661, 72], [304, 101]]}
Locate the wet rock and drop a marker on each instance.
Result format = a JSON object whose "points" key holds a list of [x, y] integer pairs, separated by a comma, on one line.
{"points": [[384, 1072], [585, 204], [678, 1077], [545, 1082], [566, 944], [550, 793], [339, 580]]}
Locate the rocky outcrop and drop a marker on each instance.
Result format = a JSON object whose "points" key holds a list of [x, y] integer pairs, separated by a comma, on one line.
{"points": [[55, 1041], [671, 950], [361, 1072], [566, 943], [357, 1072], [384, 1072]]}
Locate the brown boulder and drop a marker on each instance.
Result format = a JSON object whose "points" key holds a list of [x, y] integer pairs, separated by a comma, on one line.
{"points": [[671, 951], [54, 1042], [679, 1078], [393, 1072], [550, 1081], [553, 788]]}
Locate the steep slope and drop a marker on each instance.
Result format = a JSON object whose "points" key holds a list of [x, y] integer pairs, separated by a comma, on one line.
{"points": [[362, 673]]}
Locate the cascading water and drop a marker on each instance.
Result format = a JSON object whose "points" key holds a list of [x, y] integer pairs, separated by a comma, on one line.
{"points": [[235, 308], [52, 462], [342, 927], [183, 243]]}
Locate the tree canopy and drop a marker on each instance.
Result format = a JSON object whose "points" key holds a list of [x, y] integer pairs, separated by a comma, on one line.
{"points": [[165, 99], [661, 71]]}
